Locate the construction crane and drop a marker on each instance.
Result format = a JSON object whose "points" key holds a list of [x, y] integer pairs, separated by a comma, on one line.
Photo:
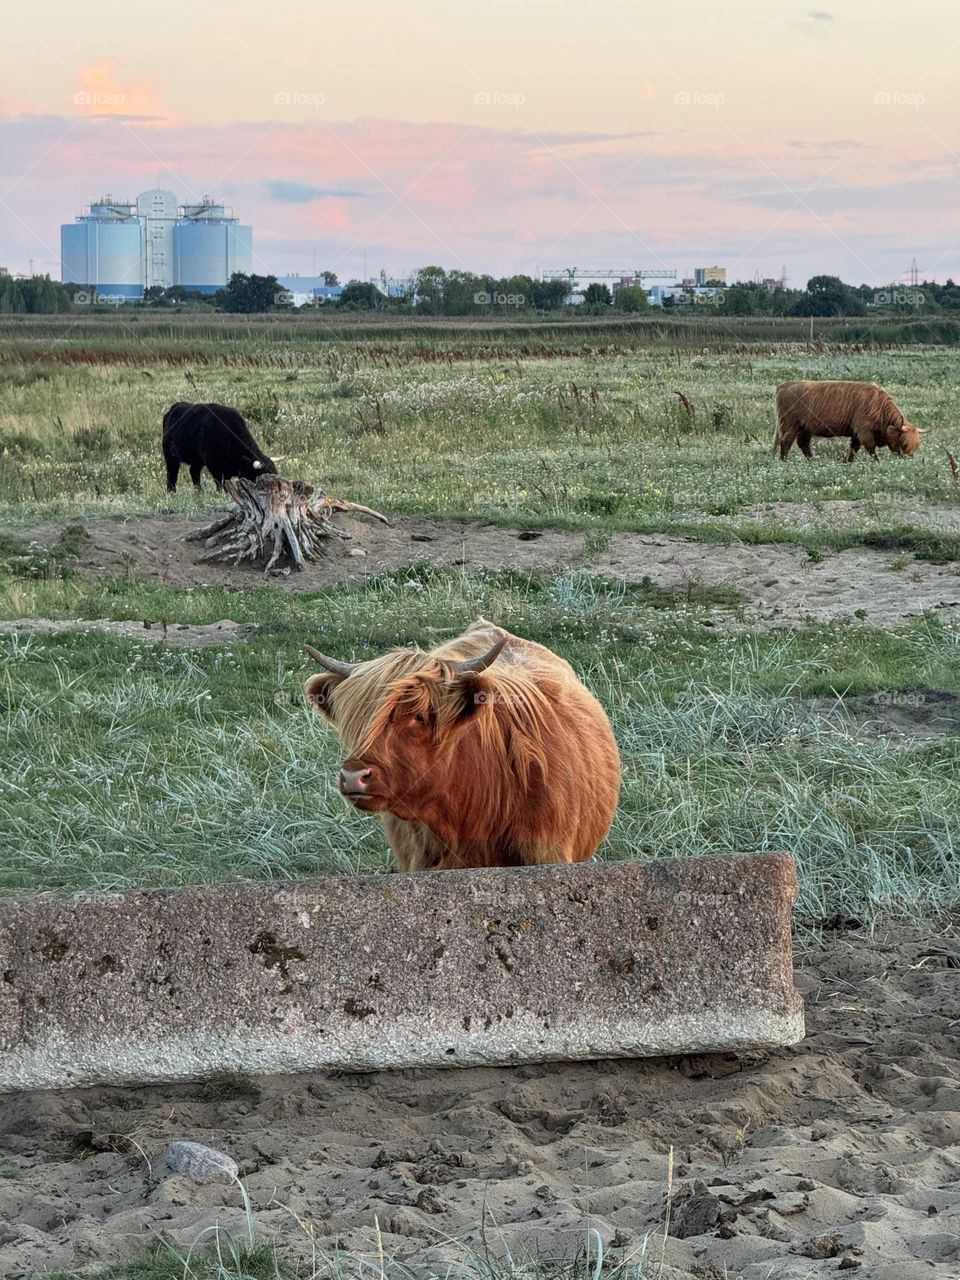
{"points": [[573, 273]]}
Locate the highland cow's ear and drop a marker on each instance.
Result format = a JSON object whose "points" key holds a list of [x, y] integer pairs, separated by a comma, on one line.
{"points": [[319, 692], [475, 691], [257, 464]]}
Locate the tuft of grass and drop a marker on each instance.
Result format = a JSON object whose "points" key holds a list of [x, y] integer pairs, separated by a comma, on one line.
{"points": [[227, 1086], [219, 1254]]}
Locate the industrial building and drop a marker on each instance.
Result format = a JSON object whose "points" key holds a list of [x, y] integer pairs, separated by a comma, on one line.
{"points": [[709, 275], [119, 248], [307, 291]]}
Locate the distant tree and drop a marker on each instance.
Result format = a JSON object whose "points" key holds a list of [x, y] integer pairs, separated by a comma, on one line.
{"points": [[631, 298], [36, 295], [746, 298], [330, 279], [175, 295], [360, 295], [550, 295], [461, 292], [249, 294], [596, 297], [828, 296], [429, 287]]}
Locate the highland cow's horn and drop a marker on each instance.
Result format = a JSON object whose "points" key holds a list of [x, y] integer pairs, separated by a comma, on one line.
{"points": [[331, 664], [281, 457], [473, 665], [922, 431]]}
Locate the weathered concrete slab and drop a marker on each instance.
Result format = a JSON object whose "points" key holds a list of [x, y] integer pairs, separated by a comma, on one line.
{"points": [[443, 968]]}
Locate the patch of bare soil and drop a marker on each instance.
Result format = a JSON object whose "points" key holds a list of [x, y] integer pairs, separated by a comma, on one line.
{"points": [[840, 1154], [782, 585], [194, 636], [850, 513], [919, 713]]}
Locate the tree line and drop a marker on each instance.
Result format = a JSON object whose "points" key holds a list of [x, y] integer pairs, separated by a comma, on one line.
{"points": [[434, 291], [34, 295]]}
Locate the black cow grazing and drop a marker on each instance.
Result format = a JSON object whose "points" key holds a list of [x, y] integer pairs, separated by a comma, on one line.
{"points": [[212, 436]]}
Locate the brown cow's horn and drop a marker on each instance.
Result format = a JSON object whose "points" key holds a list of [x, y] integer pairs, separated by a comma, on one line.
{"points": [[480, 664], [331, 664]]}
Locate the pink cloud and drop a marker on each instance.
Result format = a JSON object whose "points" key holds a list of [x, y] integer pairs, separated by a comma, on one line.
{"points": [[102, 90], [485, 198]]}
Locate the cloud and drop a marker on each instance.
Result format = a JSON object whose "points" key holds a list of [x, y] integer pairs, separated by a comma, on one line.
{"points": [[820, 15], [102, 90], [826, 145], [288, 192], [399, 194]]}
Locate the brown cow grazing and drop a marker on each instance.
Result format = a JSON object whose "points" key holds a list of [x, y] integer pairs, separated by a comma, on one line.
{"points": [[861, 411], [485, 752]]}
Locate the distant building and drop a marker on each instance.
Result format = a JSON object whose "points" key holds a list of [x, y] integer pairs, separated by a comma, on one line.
{"points": [[709, 275], [119, 248], [395, 287], [681, 295], [306, 291]]}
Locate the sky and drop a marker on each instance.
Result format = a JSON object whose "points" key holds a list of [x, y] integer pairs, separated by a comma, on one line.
{"points": [[502, 136]]}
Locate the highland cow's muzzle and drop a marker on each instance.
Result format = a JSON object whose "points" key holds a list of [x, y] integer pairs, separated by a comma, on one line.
{"points": [[358, 784]]}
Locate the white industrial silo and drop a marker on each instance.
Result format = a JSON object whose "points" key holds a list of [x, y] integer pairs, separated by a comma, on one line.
{"points": [[209, 246], [103, 250]]}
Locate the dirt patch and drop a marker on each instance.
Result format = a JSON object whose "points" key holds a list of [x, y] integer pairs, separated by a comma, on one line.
{"points": [[916, 713], [781, 584], [848, 513], [842, 1151], [195, 636]]}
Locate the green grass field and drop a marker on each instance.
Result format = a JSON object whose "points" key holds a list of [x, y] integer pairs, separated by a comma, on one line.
{"points": [[127, 763]]}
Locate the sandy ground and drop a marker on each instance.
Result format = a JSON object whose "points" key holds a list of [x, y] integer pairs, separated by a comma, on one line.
{"points": [[842, 1153], [195, 636], [782, 585]]}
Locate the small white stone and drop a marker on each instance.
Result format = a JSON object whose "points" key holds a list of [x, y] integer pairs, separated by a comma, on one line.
{"points": [[201, 1164], [358, 551]]}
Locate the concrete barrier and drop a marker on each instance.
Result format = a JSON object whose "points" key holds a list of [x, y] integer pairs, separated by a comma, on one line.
{"points": [[444, 968]]}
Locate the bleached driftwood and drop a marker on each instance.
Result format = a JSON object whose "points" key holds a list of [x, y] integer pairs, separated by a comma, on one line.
{"points": [[274, 519]]}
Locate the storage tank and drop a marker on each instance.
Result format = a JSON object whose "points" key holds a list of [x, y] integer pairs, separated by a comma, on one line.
{"points": [[209, 245], [103, 250]]}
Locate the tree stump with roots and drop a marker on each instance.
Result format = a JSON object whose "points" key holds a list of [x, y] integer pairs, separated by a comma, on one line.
{"points": [[275, 520]]}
